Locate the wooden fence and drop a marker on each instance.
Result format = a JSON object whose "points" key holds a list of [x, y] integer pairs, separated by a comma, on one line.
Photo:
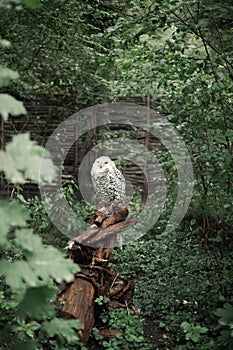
{"points": [[44, 117]]}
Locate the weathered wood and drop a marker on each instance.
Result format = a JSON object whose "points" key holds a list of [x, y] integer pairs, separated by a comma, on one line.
{"points": [[108, 333], [109, 214], [99, 237], [92, 251], [79, 303]]}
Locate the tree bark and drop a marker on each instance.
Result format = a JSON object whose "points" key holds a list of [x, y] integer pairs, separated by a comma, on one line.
{"points": [[92, 251]]}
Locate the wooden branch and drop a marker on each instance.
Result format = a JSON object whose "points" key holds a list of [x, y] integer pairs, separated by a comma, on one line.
{"points": [[98, 237]]}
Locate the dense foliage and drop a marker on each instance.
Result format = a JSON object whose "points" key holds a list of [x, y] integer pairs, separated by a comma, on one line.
{"points": [[182, 54], [28, 267], [178, 53], [181, 283], [58, 58]]}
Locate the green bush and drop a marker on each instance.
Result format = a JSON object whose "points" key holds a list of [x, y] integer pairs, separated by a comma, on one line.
{"points": [[41, 223], [131, 334], [28, 267], [225, 314], [179, 283]]}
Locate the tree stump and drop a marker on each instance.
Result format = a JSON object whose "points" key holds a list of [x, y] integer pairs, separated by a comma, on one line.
{"points": [[92, 251], [79, 303]]}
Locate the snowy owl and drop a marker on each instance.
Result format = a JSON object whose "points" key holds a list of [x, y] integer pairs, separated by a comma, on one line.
{"points": [[109, 183]]}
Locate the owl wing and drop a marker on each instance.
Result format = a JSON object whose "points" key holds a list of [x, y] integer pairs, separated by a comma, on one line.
{"points": [[122, 180], [120, 185], [109, 187], [93, 178]]}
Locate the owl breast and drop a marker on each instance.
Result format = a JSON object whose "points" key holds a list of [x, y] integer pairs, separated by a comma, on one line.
{"points": [[108, 182]]}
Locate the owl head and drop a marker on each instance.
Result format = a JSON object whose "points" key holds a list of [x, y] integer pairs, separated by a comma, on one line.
{"points": [[102, 165]]}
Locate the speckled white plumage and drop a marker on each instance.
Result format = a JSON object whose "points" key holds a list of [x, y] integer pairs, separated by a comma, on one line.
{"points": [[109, 183]]}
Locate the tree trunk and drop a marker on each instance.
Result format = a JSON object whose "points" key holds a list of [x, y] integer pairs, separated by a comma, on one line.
{"points": [[92, 251]]}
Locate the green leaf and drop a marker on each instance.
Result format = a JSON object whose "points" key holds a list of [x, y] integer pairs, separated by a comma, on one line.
{"points": [[25, 327], [9, 105], [64, 329], [24, 159], [18, 275], [33, 4], [220, 139], [36, 303], [41, 264], [144, 38], [50, 262], [186, 326], [6, 75], [203, 22], [229, 134], [225, 314], [5, 43], [193, 332], [11, 214], [226, 339], [28, 241], [45, 261], [193, 222]]}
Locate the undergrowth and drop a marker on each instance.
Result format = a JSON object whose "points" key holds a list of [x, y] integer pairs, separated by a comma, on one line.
{"points": [[183, 287], [184, 284]]}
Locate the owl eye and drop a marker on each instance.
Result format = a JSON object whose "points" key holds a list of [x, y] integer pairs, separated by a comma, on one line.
{"points": [[105, 162]]}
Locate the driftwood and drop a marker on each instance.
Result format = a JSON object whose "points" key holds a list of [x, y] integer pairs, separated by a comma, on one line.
{"points": [[92, 251]]}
